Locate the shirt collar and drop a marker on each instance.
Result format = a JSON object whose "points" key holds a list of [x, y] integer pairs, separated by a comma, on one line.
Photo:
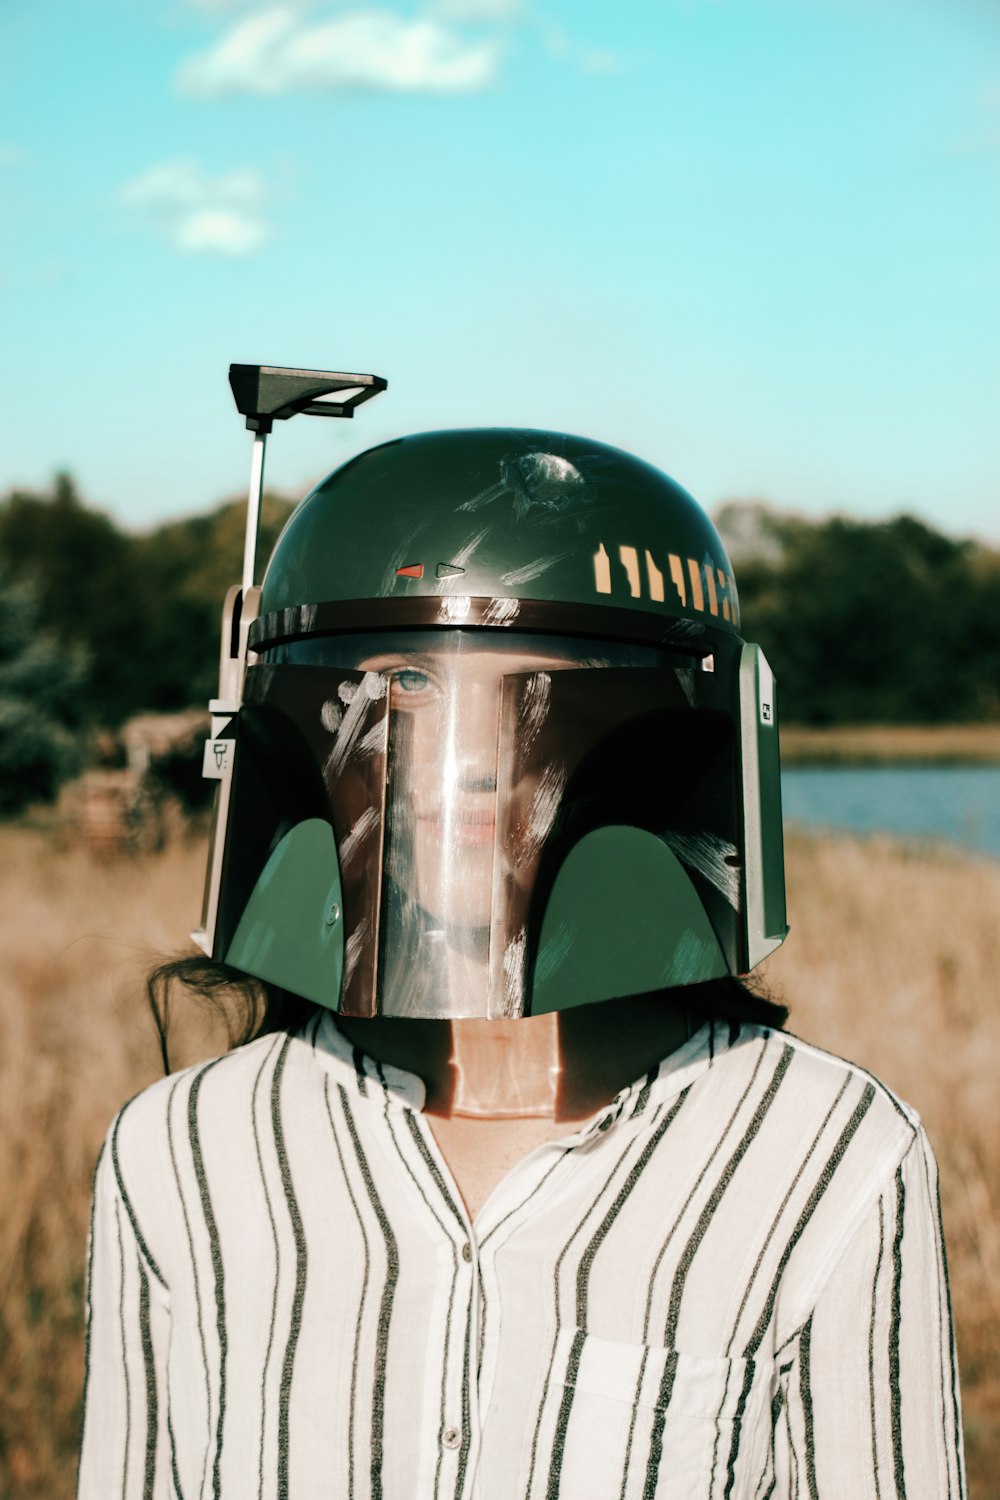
{"points": [[396, 1087], [673, 1074], [370, 1079]]}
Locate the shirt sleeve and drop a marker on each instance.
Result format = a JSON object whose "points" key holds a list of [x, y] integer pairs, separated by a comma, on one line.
{"points": [[870, 1403], [124, 1451]]}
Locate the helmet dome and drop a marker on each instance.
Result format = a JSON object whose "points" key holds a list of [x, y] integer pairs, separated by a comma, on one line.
{"points": [[504, 513]]}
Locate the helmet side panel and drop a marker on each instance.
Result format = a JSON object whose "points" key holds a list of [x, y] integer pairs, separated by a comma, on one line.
{"points": [[765, 927]]}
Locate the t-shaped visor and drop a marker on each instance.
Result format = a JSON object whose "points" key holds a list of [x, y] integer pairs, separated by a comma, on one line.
{"points": [[420, 811]]}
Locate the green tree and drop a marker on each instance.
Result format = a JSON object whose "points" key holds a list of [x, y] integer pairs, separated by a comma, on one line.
{"points": [[187, 567], [88, 589], [41, 702], [871, 621], [146, 608]]}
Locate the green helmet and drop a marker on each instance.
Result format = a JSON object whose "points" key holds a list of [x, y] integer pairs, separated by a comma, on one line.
{"points": [[501, 748]]}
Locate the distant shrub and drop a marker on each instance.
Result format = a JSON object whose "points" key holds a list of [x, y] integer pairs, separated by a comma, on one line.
{"points": [[869, 621], [146, 607], [40, 702]]}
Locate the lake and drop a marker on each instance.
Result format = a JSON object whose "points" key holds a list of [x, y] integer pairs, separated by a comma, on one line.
{"points": [[960, 804]]}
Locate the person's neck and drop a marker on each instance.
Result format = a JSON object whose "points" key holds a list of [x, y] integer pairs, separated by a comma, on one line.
{"points": [[561, 1067]]}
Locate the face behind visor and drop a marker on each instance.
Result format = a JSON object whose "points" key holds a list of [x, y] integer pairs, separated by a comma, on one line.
{"points": [[454, 817]]}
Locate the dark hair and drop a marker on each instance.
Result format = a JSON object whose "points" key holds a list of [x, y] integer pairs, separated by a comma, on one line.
{"points": [[248, 1007], [735, 999], [251, 1008]]}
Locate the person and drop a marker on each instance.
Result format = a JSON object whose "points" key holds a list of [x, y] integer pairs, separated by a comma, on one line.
{"points": [[516, 1187]]}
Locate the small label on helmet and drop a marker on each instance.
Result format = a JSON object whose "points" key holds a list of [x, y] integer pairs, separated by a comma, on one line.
{"points": [[217, 761], [765, 692]]}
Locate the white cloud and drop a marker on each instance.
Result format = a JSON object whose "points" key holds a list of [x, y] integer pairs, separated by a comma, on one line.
{"points": [[219, 229], [200, 213], [183, 184], [276, 50]]}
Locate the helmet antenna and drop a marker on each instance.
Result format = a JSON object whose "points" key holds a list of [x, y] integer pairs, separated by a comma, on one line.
{"points": [[265, 394]]}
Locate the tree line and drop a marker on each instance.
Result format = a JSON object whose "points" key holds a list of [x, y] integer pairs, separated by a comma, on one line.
{"points": [[864, 622], [126, 623], [869, 622]]}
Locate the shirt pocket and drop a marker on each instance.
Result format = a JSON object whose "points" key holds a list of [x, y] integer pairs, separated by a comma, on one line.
{"points": [[630, 1422]]}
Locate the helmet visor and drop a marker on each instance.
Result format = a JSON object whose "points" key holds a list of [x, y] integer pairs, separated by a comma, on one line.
{"points": [[496, 753]]}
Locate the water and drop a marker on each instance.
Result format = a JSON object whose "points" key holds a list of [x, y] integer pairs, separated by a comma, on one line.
{"points": [[959, 804]]}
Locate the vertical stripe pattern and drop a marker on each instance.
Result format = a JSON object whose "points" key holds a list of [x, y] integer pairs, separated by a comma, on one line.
{"points": [[217, 1279], [287, 1297], [301, 1262], [378, 1393]]}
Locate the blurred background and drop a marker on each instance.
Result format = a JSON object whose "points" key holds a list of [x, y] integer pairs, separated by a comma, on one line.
{"points": [[755, 241]]}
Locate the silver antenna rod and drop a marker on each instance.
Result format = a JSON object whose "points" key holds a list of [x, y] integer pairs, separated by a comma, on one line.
{"points": [[254, 498]]}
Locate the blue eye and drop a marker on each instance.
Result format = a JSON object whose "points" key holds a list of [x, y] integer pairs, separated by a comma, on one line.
{"points": [[409, 680]]}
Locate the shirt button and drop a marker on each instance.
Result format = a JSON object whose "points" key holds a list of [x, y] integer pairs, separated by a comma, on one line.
{"points": [[452, 1437], [466, 1251]]}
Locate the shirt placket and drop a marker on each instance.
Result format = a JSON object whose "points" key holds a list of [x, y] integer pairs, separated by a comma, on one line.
{"points": [[459, 1437], [451, 1450]]}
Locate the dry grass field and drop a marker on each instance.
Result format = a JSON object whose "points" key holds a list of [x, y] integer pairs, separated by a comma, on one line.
{"points": [[892, 960], [895, 744]]}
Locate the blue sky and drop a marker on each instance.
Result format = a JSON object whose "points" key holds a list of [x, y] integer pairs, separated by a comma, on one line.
{"points": [[755, 241]]}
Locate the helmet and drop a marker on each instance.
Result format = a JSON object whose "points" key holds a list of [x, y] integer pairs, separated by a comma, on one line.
{"points": [[500, 748]]}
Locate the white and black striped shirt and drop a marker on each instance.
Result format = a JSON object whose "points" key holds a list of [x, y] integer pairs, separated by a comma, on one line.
{"points": [[730, 1285]]}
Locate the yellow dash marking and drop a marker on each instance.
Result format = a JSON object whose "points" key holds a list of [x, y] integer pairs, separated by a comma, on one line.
{"points": [[677, 577], [697, 596], [655, 578], [630, 562], [602, 570], [713, 603]]}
